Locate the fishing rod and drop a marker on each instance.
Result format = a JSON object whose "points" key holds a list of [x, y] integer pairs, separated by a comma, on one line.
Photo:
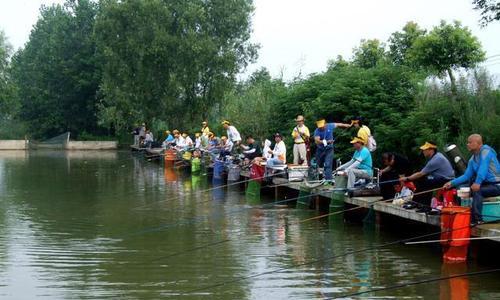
{"points": [[209, 189], [452, 240], [200, 218], [402, 285], [228, 282]]}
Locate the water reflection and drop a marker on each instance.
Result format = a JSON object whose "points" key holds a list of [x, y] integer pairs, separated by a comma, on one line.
{"points": [[77, 233]]}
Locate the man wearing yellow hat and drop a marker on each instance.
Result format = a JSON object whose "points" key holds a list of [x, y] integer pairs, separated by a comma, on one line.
{"points": [[360, 166], [232, 133], [436, 172], [324, 139]]}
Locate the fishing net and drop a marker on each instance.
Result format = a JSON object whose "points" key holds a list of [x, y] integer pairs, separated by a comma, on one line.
{"points": [[57, 142], [304, 198], [252, 193]]}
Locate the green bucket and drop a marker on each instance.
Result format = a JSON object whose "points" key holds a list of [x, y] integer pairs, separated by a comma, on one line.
{"points": [[252, 193], [195, 166], [304, 198]]}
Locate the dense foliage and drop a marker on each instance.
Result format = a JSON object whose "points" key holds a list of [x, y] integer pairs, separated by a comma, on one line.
{"points": [[97, 68], [490, 10]]}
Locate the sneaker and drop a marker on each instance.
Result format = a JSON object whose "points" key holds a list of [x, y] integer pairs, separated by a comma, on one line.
{"points": [[409, 206], [327, 183]]}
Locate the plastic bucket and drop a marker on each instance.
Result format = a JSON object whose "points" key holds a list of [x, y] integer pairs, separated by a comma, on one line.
{"points": [[195, 165], [455, 232], [340, 181], [218, 169], [233, 173]]}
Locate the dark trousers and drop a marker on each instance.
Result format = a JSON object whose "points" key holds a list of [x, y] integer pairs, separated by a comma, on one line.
{"points": [[486, 190], [324, 159], [387, 182], [425, 184]]}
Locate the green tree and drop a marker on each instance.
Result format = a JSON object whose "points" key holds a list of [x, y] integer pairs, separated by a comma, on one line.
{"points": [[401, 42], [7, 90], [446, 48], [368, 54], [170, 60], [490, 10], [57, 72]]}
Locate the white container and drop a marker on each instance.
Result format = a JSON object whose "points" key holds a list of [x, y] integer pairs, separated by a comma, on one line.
{"points": [[463, 193], [297, 173]]}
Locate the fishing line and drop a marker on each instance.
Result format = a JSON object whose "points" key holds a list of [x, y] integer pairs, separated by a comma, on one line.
{"points": [[324, 259], [402, 285]]}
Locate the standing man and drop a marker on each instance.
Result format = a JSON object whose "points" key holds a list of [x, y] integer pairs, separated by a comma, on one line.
{"points": [[436, 172], [204, 128], [483, 173], [324, 139], [232, 133], [142, 131], [300, 135]]}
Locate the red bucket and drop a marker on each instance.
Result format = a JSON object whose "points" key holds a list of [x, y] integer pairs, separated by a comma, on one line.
{"points": [[257, 172], [455, 232]]}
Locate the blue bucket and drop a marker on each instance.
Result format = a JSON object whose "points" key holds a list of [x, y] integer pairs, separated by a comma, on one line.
{"points": [[218, 169]]}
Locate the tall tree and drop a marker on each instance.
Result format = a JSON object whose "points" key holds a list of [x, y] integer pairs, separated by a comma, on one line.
{"points": [[446, 48], [7, 101], [490, 10], [368, 54], [172, 60], [57, 72], [401, 42]]}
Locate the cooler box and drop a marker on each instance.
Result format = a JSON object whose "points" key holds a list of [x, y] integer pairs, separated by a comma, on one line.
{"points": [[297, 173], [491, 211]]}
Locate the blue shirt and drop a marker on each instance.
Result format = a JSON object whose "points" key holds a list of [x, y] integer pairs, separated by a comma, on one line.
{"points": [[439, 167], [169, 138], [482, 167], [325, 133], [365, 160]]}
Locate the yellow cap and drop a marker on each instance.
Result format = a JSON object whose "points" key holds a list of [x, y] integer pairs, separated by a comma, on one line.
{"points": [[320, 123], [223, 137], [184, 135], [197, 134], [428, 145], [357, 140], [226, 122]]}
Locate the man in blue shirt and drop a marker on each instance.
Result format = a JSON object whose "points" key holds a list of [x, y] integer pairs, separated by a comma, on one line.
{"points": [[436, 172], [483, 173], [360, 166], [324, 139]]}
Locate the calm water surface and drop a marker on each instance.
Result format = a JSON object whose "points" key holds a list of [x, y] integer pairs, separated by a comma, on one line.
{"points": [[108, 225]]}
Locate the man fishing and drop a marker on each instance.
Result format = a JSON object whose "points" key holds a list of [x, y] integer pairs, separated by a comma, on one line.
{"points": [[360, 166], [436, 172], [482, 173], [324, 139], [300, 134]]}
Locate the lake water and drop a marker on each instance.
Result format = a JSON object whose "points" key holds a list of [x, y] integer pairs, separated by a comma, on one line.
{"points": [[110, 225]]}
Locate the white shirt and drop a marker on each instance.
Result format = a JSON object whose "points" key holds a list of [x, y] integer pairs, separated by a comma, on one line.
{"points": [[233, 134], [197, 143], [180, 142], [279, 151], [149, 137], [188, 141]]}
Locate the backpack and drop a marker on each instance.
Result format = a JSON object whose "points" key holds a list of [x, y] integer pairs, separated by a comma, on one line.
{"points": [[372, 143]]}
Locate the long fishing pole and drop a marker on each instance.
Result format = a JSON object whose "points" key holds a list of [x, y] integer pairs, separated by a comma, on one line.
{"points": [[324, 259], [402, 285], [209, 189]]}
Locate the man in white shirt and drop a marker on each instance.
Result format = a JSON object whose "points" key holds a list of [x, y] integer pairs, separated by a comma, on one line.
{"points": [[279, 153], [232, 133]]}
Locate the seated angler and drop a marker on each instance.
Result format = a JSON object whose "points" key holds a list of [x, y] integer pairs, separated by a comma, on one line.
{"points": [[395, 166], [226, 146], [187, 140], [279, 153], [482, 175], [360, 166], [251, 150], [436, 172], [149, 139], [180, 142], [197, 140], [168, 140]]}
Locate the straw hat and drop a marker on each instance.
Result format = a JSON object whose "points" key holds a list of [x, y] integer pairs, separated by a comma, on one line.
{"points": [[428, 145]]}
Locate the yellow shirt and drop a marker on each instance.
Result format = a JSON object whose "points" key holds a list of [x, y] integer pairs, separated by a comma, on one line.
{"points": [[205, 130], [363, 133], [303, 130]]}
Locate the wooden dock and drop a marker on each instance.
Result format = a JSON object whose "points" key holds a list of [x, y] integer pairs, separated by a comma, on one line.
{"points": [[324, 193]]}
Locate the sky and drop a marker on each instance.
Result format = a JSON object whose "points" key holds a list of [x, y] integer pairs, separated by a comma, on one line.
{"points": [[299, 37]]}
